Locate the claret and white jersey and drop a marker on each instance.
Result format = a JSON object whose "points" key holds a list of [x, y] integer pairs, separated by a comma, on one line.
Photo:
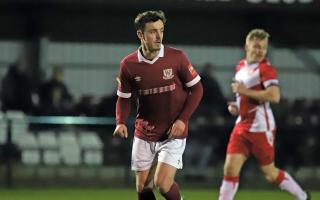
{"points": [[160, 86], [255, 116]]}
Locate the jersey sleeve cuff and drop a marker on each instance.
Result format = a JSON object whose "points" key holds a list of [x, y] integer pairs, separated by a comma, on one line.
{"points": [[123, 94], [269, 83], [193, 81]]}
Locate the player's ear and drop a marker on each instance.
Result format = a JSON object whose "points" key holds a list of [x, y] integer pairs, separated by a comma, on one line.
{"points": [[245, 46], [140, 34]]}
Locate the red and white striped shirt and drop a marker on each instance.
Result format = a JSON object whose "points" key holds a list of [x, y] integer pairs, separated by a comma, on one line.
{"points": [[255, 116]]}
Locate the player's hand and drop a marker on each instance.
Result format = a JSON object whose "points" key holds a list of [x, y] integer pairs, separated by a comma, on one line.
{"points": [[238, 87], [177, 129], [121, 130], [232, 108]]}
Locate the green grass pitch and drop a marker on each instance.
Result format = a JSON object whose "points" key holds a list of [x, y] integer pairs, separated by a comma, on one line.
{"points": [[129, 194]]}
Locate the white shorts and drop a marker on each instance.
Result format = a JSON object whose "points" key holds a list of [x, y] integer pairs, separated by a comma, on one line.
{"points": [[144, 152]]}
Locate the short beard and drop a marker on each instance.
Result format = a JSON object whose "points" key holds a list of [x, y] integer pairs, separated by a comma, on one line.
{"points": [[153, 48]]}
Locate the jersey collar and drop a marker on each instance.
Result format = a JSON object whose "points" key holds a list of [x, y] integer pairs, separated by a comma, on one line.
{"points": [[160, 54], [253, 65]]}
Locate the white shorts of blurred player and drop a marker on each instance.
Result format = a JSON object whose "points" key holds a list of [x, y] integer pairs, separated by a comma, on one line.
{"points": [[144, 153]]}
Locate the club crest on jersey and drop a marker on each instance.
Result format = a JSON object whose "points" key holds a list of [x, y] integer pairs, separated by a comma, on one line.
{"points": [[167, 74]]}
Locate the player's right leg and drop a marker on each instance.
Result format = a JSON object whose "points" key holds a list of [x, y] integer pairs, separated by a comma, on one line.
{"points": [[230, 183], [237, 154], [143, 162], [144, 184]]}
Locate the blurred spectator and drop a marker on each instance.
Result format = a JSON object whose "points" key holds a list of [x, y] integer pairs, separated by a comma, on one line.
{"points": [[86, 106], [17, 92], [55, 98], [198, 155], [106, 107], [213, 100], [212, 107]]}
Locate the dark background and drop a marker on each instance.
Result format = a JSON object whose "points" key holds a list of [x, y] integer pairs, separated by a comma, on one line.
{"points": [[189, 22]]}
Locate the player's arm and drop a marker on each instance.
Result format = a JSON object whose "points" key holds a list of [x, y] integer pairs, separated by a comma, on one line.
{"points": [[270, 94], [193, 100], [123, 107], [233, 108], [191, 78]]}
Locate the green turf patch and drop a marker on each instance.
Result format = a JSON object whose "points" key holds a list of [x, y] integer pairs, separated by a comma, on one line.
{"points": [[129, 194]]}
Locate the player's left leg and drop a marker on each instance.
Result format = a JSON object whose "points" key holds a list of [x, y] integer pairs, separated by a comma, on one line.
{"points": [[263, 150], [284, 181], [164, 181], [169, 160]]}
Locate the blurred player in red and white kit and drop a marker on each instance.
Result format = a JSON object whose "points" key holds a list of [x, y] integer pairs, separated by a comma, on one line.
{"points": [[167, 90], [256, 86]]}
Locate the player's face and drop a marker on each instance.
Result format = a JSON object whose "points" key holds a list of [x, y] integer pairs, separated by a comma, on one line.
{"points": [[256, 50], [152, 35]]}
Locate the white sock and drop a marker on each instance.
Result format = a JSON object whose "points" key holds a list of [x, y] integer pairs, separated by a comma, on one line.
{"points": [[228, 189], [290, 185]]}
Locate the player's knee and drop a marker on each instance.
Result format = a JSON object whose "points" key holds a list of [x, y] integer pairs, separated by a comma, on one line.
{"points": [[163, 185], [159, 183], [230, 170], [271, 177], [140, 187]]}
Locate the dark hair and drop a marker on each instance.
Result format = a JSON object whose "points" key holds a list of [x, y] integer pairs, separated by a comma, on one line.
{"points": [[148, 16]]}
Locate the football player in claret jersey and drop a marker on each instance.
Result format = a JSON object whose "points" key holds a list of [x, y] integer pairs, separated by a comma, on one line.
{"points": [[256, 86], [167, 89]]}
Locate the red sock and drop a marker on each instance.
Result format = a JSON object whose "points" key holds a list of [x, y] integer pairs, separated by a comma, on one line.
{"points": [[280, 177], [229, 187], [234, 179], [146, 194], [288, 184], [173, 193]]}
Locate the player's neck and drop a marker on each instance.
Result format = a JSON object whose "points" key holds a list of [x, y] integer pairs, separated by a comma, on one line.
{"points": [[147, 53], [250, 62]]}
